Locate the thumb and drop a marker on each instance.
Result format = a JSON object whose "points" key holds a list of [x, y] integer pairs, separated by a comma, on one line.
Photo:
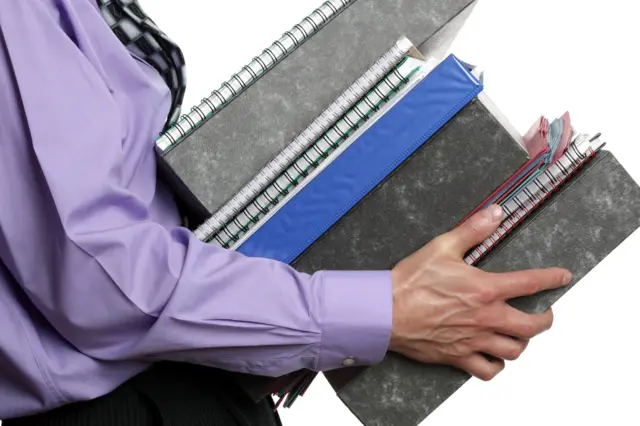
{"points": [[475, 230]]}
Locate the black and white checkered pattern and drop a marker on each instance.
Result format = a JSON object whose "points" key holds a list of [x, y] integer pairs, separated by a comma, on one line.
{"points": [[144, 39]]}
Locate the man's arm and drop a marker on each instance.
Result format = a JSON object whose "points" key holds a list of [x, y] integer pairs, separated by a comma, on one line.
{"points": [[116, 284]]}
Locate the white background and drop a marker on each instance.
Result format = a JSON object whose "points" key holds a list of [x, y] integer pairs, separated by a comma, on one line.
{"points": [[540, 57]]}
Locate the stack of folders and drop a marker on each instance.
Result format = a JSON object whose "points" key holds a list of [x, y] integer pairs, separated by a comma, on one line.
{"points": [[409, 150]]}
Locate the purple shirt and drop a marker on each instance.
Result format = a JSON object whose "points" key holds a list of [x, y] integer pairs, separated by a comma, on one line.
{"points": [[97, 278]]}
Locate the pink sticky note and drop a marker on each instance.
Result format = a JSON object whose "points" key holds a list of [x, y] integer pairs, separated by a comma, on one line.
{"points": [[535, 140]]}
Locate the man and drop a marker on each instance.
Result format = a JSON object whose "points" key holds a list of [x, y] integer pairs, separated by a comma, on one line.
{"points": [[112, 313]]}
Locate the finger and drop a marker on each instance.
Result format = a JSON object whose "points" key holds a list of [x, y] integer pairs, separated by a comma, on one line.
{"points": [[480, 367], [474, 230], [515, 323], [509, 285], [500, 346]]}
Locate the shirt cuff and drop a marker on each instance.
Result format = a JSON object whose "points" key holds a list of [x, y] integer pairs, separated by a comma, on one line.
{"points": [[356, 318]]}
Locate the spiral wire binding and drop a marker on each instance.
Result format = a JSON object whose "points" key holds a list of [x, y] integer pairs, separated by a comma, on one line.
{"points": [[311, 134], [322, 150], [531, 197], [231, 88]]}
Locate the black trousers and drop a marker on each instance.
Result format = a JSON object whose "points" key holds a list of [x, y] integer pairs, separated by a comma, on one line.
{"points": [[168, 394]]}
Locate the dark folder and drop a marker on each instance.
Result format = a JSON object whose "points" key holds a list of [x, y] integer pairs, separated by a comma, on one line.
{"points": [[576, 229]]}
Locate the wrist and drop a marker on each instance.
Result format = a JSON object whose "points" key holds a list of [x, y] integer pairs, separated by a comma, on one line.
{"points": [[395, 338]]}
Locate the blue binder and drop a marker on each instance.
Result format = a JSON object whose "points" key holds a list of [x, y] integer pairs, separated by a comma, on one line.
{"points": [[365, 163]]}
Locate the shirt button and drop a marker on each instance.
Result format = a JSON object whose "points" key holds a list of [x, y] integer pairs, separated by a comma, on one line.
{"points": [[349, 362]]}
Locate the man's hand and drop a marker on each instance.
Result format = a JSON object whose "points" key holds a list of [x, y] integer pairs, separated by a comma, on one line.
{"points": [[447, 312]]}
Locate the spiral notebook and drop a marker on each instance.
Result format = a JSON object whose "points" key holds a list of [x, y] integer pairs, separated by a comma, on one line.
{"points": [[250, 73], [321, 140], [408, 140], [253, 119]]}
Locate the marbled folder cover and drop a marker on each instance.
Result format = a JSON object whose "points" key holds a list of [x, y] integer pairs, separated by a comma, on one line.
{"points": [[577, 228], [435, 188], [263, 120], [466, 161]]}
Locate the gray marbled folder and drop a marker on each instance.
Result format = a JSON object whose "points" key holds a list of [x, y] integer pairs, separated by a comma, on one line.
{"points": [[445, 179], [427, 195], [265, 118], [576, 229]]}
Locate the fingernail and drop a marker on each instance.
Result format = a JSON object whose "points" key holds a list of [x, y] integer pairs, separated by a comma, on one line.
{"points": [[494, 213], [567, 278]]}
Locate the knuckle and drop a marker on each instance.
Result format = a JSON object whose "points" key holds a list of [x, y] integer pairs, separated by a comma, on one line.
{"points": [[530, 283], [443, 240], [551, 317], [472, 227], [474, 321], [537, 324], [529, 329], [483, 318], [546, 279], [515, 353], [491, 374], [560, 278], [441, 243], [485, 294], [461, 350], [485, 376], [534, 285]]}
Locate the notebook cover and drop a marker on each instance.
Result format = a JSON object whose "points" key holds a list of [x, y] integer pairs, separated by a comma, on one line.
{"points": [[414, 203], [576, 229], [425, 197], [265, 118]]}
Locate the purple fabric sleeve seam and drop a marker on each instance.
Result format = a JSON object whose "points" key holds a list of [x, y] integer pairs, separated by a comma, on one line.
{"points": [[320, 326]]}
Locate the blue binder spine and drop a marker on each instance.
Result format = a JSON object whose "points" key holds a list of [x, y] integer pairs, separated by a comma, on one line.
{"points": [[374, 155]]}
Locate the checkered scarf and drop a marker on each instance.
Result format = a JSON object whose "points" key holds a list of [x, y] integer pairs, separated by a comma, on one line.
{"points": [[144, 39]]}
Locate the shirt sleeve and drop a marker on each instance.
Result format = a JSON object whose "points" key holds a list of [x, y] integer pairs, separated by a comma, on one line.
{"points": [[119, 286]]}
